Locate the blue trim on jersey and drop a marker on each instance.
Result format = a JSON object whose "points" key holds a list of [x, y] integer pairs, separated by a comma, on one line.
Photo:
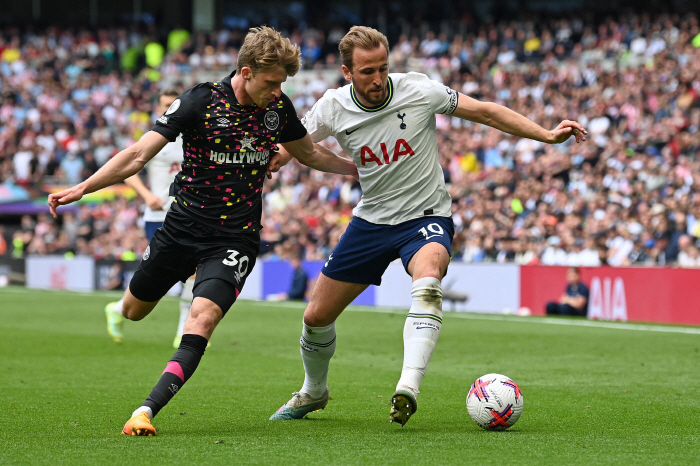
{"points": [[366, 249]]}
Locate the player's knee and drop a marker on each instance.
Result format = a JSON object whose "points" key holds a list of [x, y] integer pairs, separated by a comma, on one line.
{"points": [[429, 269], [314, 317], [129, 314], [203, 319], [133, 312]]}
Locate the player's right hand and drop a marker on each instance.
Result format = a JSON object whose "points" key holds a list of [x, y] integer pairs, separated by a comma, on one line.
{"points": [[64, 197], [154, 202], [565, 129]]}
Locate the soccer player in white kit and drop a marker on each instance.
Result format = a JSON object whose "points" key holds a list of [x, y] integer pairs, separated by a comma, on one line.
{"points": [[386, 123], [161, 170]]}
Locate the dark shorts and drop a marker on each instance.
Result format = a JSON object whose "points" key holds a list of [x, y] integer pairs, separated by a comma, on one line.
{"points": [[366, 249], [150, 229], [181, 246]]}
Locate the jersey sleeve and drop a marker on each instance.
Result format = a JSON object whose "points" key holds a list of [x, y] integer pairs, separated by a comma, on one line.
{"points": [[441, 98], [183, 113], [292, 129], [316, 120]]}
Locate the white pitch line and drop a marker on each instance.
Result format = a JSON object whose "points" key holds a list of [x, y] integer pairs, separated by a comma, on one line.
{"points": [[506, 318], [450, 314]]}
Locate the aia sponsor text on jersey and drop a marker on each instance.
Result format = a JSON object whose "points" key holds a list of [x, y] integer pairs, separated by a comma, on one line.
{"points": [[401, 147]]}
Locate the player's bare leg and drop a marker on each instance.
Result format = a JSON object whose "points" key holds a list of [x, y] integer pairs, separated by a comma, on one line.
{"points": [[422, 328], [328, 299], [129, 307], [203, 318]]}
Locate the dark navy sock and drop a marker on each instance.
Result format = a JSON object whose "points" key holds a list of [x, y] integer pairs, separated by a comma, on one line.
{"points": [[177, 372]]}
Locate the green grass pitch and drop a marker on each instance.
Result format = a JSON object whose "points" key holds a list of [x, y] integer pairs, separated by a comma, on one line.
{"points": [[594, 394]]}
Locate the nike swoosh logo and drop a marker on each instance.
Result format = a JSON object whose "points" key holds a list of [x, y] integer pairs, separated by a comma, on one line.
{"points": [[348, 133]]}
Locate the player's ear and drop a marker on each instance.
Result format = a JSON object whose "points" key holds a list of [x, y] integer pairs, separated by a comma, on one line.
{"points": [[346, 73], [246, 72]]}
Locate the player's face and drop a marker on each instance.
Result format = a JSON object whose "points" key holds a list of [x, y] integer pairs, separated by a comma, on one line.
{"points": [[265, 85], [370, 70], [164, 103], [572, 276]]}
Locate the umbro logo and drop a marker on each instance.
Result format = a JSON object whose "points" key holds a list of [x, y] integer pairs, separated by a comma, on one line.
{"points": [[223, 121], [173, 388], [163, 120], [348, 132]]}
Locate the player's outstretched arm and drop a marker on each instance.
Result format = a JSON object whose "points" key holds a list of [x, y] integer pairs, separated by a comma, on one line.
{"points": [[124, 164], [318, 157], [506, 120]]}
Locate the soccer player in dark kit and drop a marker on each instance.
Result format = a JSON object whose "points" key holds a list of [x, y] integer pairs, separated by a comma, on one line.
{"points": [[230, 131]]}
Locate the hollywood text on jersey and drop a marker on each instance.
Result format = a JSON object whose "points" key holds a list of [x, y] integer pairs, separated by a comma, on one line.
{"points": [[261, 157], [401, 147]]}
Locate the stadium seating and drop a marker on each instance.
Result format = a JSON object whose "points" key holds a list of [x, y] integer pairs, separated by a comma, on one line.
{"points": [[629, 196]]}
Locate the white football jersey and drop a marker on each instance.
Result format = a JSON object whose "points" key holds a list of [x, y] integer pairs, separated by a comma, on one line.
{"points": [[161, 171], [394, 146]]}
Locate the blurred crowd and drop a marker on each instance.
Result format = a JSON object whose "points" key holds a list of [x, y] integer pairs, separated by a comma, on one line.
{"points": [[630, 195]]}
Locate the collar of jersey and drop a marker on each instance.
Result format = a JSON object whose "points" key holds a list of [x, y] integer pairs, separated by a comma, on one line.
{"points": [[226, 82], [229, 87], [390, 94]]}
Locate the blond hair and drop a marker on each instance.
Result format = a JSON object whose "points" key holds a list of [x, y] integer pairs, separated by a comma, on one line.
{"points": [[264, 48], [362, 37]]}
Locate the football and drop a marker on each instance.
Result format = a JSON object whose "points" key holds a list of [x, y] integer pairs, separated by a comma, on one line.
{"points": [[494, 402]]}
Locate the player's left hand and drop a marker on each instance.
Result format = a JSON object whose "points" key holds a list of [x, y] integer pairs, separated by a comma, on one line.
{"points": [[279, 159], [64, 197], [564, 131]]}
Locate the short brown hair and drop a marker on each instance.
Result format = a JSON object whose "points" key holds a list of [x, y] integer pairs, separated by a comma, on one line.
{"points": [[168, 91], [264, 48], [363, 37]]}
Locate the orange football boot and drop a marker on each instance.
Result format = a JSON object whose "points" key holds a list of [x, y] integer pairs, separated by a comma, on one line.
{"points": [[140, 425]]}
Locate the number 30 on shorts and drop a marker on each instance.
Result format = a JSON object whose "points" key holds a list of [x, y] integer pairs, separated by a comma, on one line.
{"points": [[432, 231], [232, 261]]}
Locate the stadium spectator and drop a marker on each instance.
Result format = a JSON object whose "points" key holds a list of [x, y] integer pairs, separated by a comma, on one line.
{"points": [[574, 301], [115, 277], [3, 242], [297, 288]]}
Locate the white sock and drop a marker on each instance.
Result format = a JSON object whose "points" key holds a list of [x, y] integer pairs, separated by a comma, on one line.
{"points": [[144, 409], [421, 332], [317, 348], [184, 313], [118, 306], [186, 298]]}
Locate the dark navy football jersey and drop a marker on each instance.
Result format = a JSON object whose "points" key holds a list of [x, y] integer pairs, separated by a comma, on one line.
{"points": [[227, 148]]}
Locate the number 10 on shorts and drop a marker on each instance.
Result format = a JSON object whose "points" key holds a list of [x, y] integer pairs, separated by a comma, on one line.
{"points": [[432, 231]]}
